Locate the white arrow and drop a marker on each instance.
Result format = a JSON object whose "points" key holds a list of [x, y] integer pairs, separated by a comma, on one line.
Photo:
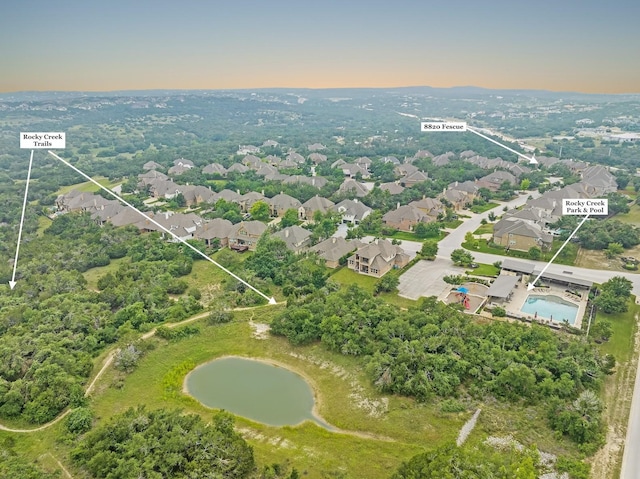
{"points": [[176, 237], [532, 160], [531, 285], [12, 283]]}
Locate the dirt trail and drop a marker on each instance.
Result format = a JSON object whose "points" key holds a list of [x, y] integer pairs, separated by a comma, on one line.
{"points": [[107, 362], [617, 396]]}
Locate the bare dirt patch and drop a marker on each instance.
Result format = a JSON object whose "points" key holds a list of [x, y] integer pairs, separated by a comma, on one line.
{"points": [[588, 258]]}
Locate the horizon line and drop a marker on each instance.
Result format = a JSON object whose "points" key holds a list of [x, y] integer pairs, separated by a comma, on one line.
{"points": [[320, 89]]}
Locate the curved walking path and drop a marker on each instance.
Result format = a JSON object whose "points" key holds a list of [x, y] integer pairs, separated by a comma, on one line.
{"points": [[107, 362]]}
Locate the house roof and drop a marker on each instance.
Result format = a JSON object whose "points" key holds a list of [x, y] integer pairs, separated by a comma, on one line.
{"points": [[405, 213], [238, 168], [252, 228], [282, 201], [503, 285], [354, 187], [563, 278], [318, 203], [353, 208], [334, 248], [516, 226], [216, 228], [392, 187], [214, 168], [294, 236], [517, 266]]}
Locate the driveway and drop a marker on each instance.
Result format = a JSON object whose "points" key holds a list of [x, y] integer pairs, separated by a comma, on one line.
{"points": [[425, 279]]}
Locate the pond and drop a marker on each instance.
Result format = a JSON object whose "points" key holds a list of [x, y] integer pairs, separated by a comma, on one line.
{"points": [[257, 390]]}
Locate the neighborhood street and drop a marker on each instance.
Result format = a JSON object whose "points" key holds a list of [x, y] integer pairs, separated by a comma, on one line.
{"points": [[425, 279]]}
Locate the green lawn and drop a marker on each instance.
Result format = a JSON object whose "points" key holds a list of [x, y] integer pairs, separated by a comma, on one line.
{"points": [[94, 274], [484, 229], [482, 208], [633, 216], [484, 270], [88, 186], [624, 327], [568, 255], [346, 277], [43, 223]]}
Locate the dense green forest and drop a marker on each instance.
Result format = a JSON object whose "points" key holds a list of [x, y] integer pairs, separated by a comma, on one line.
{"points": [[432, 350]]}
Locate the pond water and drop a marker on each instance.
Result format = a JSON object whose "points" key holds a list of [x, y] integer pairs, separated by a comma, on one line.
{"points": [[254, 389]]}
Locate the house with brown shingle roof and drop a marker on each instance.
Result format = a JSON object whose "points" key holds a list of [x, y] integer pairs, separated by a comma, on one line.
{"points": [[378, 258], [218, 229], [282, 202], [295, 237], [405, 218], [246, 234], [352, 211], [354, 188], [334, 248], [215, 169], [316, 203]]}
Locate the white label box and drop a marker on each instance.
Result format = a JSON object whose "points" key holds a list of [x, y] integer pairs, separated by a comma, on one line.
{"points": [[580, 206], [443, 126], [40, 140]]}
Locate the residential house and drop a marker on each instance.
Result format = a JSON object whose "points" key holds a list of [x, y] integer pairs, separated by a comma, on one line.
{"points": [[354, 188], [295, 157], [392, 187], [194, 195], [444, 159], [315, 181], [519, 234], [177, 170], [227, 195], [247, 200], [351, 170], [179, 224], [216, 230], [352, 211], [270, 144], [280, 203], [413, 179], [334, 248], [247, 150], [151, 165], [316, 147], [252, 162], [317, 158], [429, 206], [378, 258], [215, 169], [405, 218], [237, 168], [246, 235], [316, 203], [390, 159], [600, 180], [405, 169], [494, 181], [295, 237]]}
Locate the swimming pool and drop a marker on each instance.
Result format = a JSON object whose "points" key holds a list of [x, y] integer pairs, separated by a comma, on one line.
{"points": [[550, 307]]}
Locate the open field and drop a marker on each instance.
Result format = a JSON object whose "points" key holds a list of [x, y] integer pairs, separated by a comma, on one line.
{"points": [[618, 389], [633, 216], [88, 186]]}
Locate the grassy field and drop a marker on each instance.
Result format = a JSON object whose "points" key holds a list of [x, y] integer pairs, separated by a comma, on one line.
{"points": [[484, 229], [633, 216], [482, 208], [88, 186], [43, 223], [568, 255], [484, 270], [94, 274], [618, 389], [346, 277]]}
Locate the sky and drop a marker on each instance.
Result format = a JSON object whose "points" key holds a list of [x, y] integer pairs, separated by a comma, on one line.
{"points": [[587, 46]]}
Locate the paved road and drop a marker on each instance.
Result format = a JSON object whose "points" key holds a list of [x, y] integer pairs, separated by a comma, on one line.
{"points": [[429, 275]]}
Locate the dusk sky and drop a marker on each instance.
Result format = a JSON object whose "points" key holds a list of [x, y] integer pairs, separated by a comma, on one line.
{"points": [[587, 46]]}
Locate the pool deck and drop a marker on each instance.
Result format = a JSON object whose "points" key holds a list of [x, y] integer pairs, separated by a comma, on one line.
{"points": [[520, 295]]}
